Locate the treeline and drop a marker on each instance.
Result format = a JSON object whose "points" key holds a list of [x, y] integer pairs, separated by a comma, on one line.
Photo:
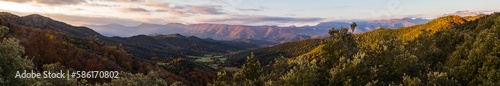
{"points": [[171, 46], [266, 55], [461, 53]]}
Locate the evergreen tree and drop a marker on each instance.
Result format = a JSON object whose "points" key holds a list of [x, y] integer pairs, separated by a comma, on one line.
{"points": [[11, 61], [56, 67], [353, 71], [3, 30], [340, 44], [250, 74], [303, 74], [280, 67], [221, 79]]}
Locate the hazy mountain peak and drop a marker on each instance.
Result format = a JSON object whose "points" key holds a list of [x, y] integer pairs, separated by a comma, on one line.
{"points": [[176, 35], [148, 24], [112, 24], [176, 24]]}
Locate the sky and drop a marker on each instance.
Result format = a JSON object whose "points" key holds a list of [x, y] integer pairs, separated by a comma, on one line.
{"points": [[241, 12]]}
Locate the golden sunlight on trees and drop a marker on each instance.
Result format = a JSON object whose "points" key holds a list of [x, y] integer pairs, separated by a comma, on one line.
{"points": [[448, 51]]}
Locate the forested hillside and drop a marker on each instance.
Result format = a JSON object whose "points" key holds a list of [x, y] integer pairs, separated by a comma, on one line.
{"points": [[174, 46], [409, 33], [142, 46], [447, 51], [41, 44], [266, 55], [368, 39]]}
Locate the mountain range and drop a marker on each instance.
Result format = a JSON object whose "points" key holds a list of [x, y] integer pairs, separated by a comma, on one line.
{"points": [[276, 34], [264, 33]]}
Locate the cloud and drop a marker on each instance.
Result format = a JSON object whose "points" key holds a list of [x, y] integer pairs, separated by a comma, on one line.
{"points": [[85, 20], [127, 0], [233, 3], [60, 2], [260, 8], [98, 5], [133, 10], [152, 10], [51, 2], [201, 9], [204, 9], [291, 14], [187, 10], [18, 1], [165, 7], [178, 13], [161, 10], [79, 20], [249, 19], [250, 9]]}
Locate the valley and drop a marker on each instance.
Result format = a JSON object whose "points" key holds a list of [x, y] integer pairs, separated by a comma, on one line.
{"points": [[218, 43]]}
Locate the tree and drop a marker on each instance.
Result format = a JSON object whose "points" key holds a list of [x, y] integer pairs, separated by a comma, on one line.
{"points": [[250, 74], [409, 81], [56, 67], [351, 71], [332, 32], [303, 74], [340, 44], [353, 26], [280, 68], [221, 79], [11, 60], [478, 57], [440, 78], [3, 30]]}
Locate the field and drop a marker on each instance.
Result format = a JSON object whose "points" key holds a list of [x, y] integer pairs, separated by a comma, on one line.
{"points": [[208, 59]]}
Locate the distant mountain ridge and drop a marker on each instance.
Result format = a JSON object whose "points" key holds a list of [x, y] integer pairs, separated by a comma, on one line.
{"points": [[266, 33], [143, 46], [303, 47]]}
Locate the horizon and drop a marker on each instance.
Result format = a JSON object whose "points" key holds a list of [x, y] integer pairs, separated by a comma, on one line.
{"points": [[238, 12]]}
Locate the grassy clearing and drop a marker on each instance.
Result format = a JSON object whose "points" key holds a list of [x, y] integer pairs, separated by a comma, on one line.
{"points": [[208, 59]]}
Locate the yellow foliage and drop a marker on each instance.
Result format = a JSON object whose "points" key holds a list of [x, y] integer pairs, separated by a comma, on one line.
{"points": [[409, 33], [472, 18], [312, 55], [50, 36]]}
